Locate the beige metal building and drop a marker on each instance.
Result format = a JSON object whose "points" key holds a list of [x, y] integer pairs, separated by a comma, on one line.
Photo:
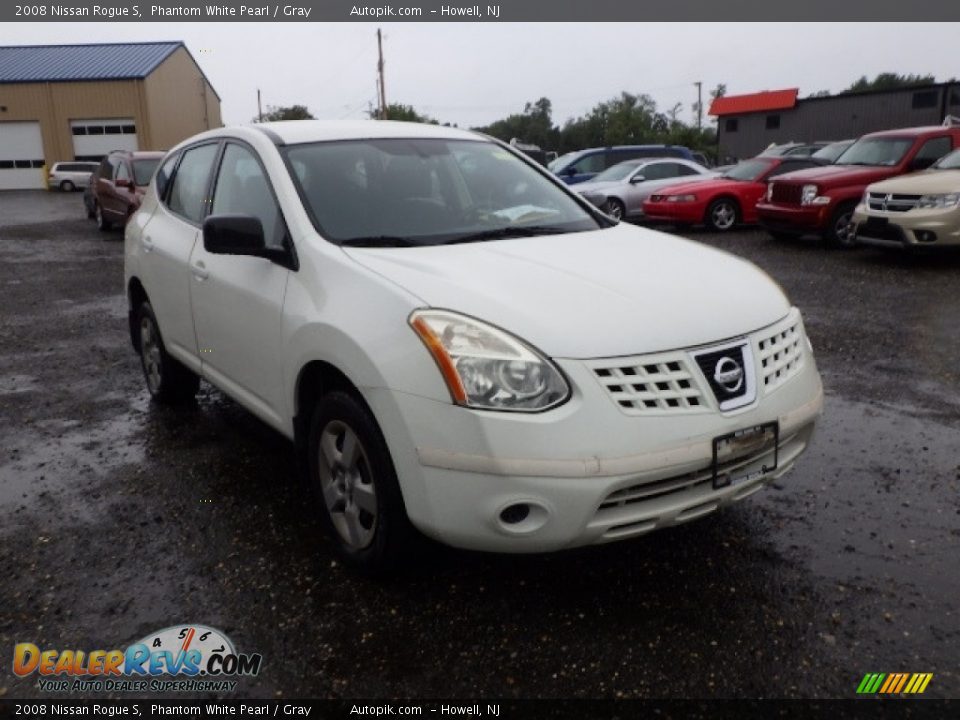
{"points": [[79, 102]]}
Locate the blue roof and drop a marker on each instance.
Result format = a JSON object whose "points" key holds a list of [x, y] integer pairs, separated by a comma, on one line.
{"points": [[52, 63]]}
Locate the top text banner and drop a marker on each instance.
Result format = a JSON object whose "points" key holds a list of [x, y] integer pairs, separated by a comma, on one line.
{"points": [[538, 11]]}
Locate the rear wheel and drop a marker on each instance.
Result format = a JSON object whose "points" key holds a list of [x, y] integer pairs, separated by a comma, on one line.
{"points": [[168, 380], [67, 186], [722, 215], [355, 483], [840, 232], [102, 222]]}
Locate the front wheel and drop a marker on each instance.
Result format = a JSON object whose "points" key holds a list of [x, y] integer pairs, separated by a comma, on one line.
{"points": [[840, 233], [722, 215], [168, 381], [355, 483], [615, 208]]}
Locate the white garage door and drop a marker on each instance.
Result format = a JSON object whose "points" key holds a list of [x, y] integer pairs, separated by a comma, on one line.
{"points": [[21, 156], [92, 139]]}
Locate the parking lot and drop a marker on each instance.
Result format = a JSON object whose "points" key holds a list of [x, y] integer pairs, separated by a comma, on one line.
{"points": [[121, 517]]}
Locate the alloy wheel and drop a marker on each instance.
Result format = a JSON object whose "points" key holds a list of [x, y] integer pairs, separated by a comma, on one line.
{"points": [[347, 484]]}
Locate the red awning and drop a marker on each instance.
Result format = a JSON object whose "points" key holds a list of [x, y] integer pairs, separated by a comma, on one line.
{"points": [[754, 102]]}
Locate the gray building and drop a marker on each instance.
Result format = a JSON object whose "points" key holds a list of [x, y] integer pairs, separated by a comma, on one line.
{"points": [[747, 124]]}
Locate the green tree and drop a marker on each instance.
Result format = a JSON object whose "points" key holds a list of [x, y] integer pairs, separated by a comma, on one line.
{"points": [[399, 111], [534, 125], [889, 81], [293, 112]]}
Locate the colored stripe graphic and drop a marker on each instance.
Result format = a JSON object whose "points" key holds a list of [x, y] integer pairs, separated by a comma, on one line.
{"points": [[894, 683]]}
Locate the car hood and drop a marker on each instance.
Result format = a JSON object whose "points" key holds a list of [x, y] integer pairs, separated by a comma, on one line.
{"points": [[604, 293], [830, 176], [589, 186], [710, 185], [921, 183]]}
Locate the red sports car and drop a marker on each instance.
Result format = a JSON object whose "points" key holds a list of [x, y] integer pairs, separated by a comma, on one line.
{"points": [[723, 202]]}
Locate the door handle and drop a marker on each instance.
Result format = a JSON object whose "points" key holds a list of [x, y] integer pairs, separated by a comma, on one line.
{"points": [[147, 244], [200, 271]]}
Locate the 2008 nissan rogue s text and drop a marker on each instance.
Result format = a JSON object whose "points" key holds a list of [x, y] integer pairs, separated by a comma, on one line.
{"points": [[457, 342]]}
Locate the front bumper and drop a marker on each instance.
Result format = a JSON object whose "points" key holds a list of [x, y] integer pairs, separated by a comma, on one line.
{"points": [[799, 219], [673, 212], [912, 229], [587, 471]]}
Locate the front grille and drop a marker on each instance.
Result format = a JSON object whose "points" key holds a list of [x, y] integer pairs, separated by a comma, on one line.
{"points": [[786, 193], [891, 202], [781, 355], [651, 384]]}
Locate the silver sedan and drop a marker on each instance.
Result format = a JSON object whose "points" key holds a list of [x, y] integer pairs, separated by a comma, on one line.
{"points": [[626, 185]]}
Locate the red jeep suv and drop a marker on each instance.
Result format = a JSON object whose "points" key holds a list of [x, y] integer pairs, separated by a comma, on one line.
{"points": [[821, 200]]}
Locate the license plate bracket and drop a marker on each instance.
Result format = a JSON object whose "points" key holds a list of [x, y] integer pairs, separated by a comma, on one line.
{"points": [[741, 443]]}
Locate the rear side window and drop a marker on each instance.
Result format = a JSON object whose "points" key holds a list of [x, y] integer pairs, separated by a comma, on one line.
{"points": [[189, 187], [243, 189], [594, 163]]}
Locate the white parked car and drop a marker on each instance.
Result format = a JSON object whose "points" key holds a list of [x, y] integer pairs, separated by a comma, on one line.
{"points": [[70, 176], [458, 342]]}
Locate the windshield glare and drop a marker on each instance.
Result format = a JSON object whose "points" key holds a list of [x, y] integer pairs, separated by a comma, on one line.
{"points": [[143, 170], [831, 152], [748, 170], [615, 173], [876, 151], [559, 162], [949, 162], [427, 191]]}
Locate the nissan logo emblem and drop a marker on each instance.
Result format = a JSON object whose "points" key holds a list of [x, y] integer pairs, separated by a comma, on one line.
{"points": [[728, 374]]}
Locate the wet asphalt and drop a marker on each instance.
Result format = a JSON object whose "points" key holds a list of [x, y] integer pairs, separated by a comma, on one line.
{"points": [[119, 517]]}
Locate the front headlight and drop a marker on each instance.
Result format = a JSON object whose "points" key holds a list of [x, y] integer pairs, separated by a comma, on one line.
{"points": [[680, 198], [808, 196], [943, 200], [487, 368], [769, 196]]}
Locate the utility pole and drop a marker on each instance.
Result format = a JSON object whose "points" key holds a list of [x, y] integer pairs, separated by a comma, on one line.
{"points": [[699, 85], [259, 109], [383, 91]]}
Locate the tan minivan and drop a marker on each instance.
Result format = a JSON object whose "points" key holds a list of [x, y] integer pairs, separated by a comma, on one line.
{"points": [[920, 209]]}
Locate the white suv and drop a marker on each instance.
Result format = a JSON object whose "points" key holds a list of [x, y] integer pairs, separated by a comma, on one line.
{"points": [[459, 343]]}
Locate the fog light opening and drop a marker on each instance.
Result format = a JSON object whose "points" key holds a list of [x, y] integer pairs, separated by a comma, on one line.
{"points": [[515, 514], [926, 236]]}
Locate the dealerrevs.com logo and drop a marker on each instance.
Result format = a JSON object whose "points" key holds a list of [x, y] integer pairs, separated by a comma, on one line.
{"points": [[180, 658]]}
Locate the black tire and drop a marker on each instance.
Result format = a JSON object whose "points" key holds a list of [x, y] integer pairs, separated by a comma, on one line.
{"points": [[615, 208], [168, 380], [67, 186], [349, 488], [102, 222], [723, 214], [840, 232]]}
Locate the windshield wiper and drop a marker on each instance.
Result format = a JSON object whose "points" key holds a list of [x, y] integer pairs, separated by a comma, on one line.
{"points": [[506, 232], [378, 241]]}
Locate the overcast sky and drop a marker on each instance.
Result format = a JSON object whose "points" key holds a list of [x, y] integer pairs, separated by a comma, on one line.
{"points": [[472, 74]]}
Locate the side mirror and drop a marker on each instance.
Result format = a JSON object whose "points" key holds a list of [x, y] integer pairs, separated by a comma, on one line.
{"points": [[637, 179], [124, 183], [570, 171], [234, 235]]}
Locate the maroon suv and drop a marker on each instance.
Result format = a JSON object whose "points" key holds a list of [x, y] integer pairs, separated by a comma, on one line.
{"points": [[119, 184], [821, 200]]}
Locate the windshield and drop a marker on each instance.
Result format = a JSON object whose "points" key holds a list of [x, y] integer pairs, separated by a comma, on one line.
{"points": [[876, 151], [615, 173], [748, 170], [556, 165], [831, 152], [143, 170], [403, 192], [949, 162]]}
